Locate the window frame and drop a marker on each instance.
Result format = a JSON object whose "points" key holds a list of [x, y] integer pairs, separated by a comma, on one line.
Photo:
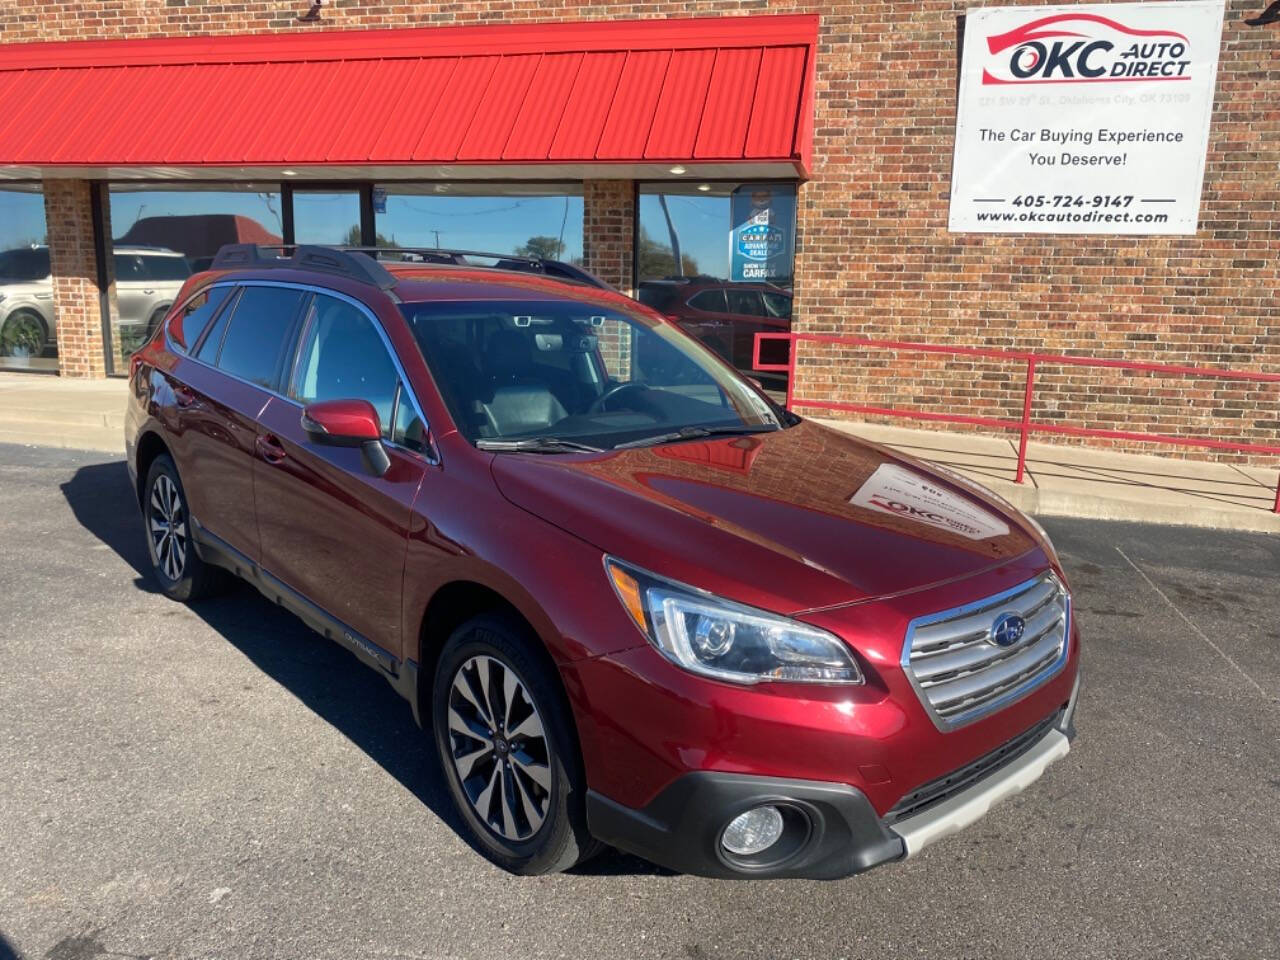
{"points": [[289, 383], [431, 453], [287, 347]]}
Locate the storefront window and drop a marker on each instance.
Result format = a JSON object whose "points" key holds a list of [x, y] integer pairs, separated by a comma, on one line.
{"points": [[719, 258], [163, 235], [330, 217], [28, 330], [543, 220]]}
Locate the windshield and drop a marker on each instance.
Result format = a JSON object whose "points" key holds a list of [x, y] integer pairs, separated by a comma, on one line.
{"points": [[24, 265], [577, 372]]}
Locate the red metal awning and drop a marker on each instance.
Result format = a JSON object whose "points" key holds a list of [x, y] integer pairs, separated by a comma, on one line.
{"points": [[712, 91]]}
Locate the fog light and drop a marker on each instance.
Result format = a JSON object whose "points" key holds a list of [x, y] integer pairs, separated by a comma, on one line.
{"points": [[751, 832]]}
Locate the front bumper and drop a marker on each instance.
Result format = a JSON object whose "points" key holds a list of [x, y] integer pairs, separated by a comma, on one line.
{"points": [[832, 830]]}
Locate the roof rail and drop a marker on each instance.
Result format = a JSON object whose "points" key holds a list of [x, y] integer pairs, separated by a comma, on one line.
{"points": [[250, 256], [553, 269], [450, 256]]}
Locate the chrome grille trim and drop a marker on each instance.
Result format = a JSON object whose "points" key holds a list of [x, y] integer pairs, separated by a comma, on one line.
{"points": [[960, 676]]}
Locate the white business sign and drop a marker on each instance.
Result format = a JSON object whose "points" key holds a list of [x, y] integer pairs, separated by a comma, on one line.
{"points": [[904, 493], [1084, 119]]}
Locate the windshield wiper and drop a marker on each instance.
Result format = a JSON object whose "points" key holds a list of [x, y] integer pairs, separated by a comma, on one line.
{"points": [[691, 433], [536, 445]]}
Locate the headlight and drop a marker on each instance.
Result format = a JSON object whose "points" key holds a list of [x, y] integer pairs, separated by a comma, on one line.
{"points": [[725, 640]]}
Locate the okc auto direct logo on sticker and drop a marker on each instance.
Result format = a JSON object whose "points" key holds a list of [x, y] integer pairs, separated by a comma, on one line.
{"points": [[1085, 48]]}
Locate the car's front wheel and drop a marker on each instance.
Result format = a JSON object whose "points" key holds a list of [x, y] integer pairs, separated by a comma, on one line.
{"points": [[181, 573], [23, 335], [509, 757]]}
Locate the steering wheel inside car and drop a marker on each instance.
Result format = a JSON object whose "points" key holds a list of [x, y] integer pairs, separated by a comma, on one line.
{"points": [[597, 405]]}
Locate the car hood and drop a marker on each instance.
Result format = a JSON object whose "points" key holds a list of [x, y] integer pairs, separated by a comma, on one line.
{"points": [[793, 520]]}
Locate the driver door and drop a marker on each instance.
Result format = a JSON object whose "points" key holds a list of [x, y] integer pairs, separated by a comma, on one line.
{"points": [[330, 529]]}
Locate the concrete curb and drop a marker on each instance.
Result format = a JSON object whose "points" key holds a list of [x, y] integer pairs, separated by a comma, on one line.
{"points": [[1055, 503], [65, 437]]}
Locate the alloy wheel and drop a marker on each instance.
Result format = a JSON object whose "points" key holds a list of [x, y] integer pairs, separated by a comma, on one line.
{"points": [[22, 336], [499, 748], [167, 524]]}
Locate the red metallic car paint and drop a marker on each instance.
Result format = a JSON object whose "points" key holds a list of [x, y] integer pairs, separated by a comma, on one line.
{"points": [[327, 524], [766, 520], [785, 518]]}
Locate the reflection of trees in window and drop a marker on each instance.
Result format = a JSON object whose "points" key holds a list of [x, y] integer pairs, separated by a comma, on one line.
{"points": [[548, 248], [654, 259], [355, 239]]}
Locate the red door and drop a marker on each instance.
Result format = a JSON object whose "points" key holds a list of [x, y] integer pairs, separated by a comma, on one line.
{"points": [[330, 529]]}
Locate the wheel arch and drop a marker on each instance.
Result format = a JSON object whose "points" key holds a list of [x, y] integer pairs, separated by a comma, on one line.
{"points": [[453, 604], [150, 446]]}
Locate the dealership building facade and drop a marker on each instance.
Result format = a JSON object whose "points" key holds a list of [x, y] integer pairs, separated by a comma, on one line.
{"points": [[639, 139]]}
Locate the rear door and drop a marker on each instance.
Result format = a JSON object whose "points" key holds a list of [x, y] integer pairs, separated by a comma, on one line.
{"points": [[331, 530], [219, 396]]}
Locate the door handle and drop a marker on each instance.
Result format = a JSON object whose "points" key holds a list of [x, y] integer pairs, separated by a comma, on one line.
{"points": [[185, 396], [270, 448]]}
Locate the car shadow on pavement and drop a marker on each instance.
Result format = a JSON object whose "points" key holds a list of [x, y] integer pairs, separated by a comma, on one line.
{"points": [[358, 703], [7, 950]]}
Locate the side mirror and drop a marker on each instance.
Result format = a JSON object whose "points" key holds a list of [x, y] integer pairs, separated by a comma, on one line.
{"points": [[348, 423]]}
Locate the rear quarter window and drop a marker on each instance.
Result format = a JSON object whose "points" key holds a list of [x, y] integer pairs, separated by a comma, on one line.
{"points": [[186, 327]]}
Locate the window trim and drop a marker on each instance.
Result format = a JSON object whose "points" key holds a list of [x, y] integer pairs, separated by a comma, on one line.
{"points": [[289, 383], [430, 456]]}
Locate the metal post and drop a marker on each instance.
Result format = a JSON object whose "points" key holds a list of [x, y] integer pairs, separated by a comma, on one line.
{"points": [[793, 344], [1026, 420], [1276, 509]]}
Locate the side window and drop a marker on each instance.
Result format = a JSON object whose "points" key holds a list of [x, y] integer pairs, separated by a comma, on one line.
{"points": [[710, 300], [409, 430], [128, 267], [777, 305], [186, 327], [257, 333], [342, 357], [745, 303], [165, 268]]}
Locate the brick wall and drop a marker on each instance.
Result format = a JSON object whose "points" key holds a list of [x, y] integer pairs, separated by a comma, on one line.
{"points": [[874, 255], [68, 215]]}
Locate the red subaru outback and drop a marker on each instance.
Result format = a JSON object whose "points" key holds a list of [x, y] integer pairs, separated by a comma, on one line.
{"points": [[636, 602]]}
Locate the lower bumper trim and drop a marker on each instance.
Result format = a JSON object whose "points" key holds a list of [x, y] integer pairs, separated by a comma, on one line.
{"points": [[965, 808], [680, 828]]}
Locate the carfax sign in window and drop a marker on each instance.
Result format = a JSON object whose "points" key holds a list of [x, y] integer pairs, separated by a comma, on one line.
{"points": [[1085, 119]]}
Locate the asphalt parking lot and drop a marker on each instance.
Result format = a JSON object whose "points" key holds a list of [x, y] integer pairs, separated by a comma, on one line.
{"points": [[218, 782]]}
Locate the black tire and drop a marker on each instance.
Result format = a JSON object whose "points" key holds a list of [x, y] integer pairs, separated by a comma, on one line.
{"points": [[182, 575], [507, 836], [23, 333]]}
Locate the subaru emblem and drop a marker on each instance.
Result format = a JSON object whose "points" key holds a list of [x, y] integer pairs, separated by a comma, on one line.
{"points": [[1007, 630]]}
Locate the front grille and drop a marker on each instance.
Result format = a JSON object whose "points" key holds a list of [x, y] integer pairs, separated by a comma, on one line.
{"points": [[936, 791], [961, 674]]}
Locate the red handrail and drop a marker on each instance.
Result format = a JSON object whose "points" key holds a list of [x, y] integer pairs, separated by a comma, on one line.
{"points": [[1025, 425]]}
